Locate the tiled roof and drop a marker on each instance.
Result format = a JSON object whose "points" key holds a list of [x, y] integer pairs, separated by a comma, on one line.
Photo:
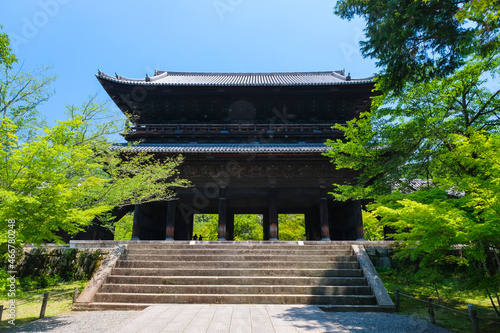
{"points": [[250, 148], [239, 79]]}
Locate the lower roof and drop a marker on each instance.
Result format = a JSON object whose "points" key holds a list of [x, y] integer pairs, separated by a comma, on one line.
{"points": [[220, 148]]}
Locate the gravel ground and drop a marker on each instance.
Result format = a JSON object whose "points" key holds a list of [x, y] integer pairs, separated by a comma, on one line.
{"points": [[381, 323], [93, 322], [77, 322]]}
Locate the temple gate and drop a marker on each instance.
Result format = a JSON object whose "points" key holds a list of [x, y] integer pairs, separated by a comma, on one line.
{"points": [[252, 144]]}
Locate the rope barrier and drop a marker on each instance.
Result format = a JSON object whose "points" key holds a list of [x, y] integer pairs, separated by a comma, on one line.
{"points": [[398, 293], [68, 292], [45, 301]]}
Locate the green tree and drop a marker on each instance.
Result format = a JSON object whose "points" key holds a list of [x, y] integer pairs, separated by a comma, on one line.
{"points": [[21, 93], [59, 178], [291, 227], [374, 228], [428, 152], [248, 227], [405, 137], [123, 228], [7, 58], [417, 40], [207, 226], [429, 158]]}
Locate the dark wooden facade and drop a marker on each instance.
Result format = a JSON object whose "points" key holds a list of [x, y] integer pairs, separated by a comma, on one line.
{"points": [[252, 143]]}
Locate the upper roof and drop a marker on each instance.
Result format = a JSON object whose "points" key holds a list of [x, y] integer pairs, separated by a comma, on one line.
{"points": [[162, 78]]}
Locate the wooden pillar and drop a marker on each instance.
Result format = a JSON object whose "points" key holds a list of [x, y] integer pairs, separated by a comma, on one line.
{"points": [[323, 215], [230, 226], [136, 227], [332, 217], [170, 230], [358, 220], [265, 226], [222, 214], [308, 225], [313, 225], [273, 214], [183, 223]]}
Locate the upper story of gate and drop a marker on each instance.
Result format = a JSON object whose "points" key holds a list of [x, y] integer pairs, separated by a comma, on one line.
{"points": [[231, 107]]}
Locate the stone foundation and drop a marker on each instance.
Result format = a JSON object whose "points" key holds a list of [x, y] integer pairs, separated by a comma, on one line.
{"points": [[69, 264]]}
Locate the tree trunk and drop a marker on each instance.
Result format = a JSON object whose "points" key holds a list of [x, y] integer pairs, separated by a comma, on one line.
{"points": [[437, 291], [493, 302]]}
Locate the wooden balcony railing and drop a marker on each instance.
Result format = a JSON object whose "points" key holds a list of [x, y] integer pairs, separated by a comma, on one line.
{"points": [[243, 129]]}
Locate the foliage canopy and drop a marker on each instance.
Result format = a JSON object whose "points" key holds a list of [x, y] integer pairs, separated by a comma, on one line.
{"points": [[428, 153], [430, 160], [57, 179], [249, 227], [7, 58], [417, 40]]}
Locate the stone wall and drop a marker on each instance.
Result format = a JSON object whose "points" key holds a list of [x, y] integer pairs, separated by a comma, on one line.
{"points": [[380, 256], [69, 264]]}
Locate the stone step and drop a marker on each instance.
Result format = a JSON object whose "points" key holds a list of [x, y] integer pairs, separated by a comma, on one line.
{"points": [[236, 280], [235, 289], [230, 257], [235, 299], [103, 306], [141, 306], [357, 308], [238, 272], [238, 245], [318, 273], [239, 251], [236, 264]]}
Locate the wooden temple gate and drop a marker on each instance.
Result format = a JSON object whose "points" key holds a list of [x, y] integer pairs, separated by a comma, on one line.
{"points": [[253, 144]]}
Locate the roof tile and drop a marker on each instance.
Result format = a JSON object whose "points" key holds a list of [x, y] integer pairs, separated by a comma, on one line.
{"points": [[254, 148], [239, 79]]}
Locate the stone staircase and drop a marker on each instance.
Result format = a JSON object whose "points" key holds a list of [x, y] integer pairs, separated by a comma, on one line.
{"points": [[235, 273]]}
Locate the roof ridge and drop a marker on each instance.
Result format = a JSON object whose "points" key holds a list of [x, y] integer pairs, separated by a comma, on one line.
{"points": [[246, 73]]}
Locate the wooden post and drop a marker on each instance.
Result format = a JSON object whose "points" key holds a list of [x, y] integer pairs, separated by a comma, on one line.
{"points": [[75, 294], [136, 226], [473, 318], [397, 300], [273, 214], [358, 220], [265, 225], [230, 226], [432, 318], [222, 214], [169, 232], [1, 312], [44, 305], [323, 215]]}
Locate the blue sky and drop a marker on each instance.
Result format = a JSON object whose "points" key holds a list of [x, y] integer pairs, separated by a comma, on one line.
{"points": [[133, 38]]}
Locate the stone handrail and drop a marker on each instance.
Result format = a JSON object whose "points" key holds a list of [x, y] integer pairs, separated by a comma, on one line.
{"points": [[373, 279], [100, 276]]}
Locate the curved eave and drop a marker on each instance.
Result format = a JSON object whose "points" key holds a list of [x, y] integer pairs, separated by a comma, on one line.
{"points": [[230, 80], [311, 148]]}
